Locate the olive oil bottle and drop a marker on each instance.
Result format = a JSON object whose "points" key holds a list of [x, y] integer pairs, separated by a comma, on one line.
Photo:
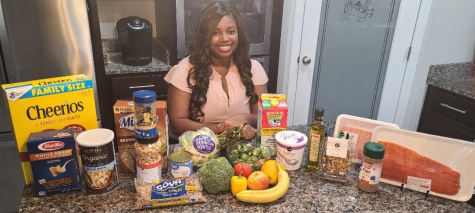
{"points": [[316, 137]]}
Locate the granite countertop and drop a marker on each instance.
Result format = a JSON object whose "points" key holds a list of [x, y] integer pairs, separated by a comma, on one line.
{"points": [[113, 61], [307, 193], [458, 78]]}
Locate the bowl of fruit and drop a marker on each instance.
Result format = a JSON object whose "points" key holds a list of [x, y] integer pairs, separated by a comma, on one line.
{"points": [[249, 153]]}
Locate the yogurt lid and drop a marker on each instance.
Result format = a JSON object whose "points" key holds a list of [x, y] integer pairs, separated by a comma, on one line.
{"points": [[291, 138], [95, 137]]}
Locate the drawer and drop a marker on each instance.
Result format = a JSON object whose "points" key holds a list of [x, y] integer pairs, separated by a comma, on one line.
{"points": [[123, 87], [458, 108]]}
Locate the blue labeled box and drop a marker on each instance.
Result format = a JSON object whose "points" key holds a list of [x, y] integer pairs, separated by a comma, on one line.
{"points": [[54, 161]]}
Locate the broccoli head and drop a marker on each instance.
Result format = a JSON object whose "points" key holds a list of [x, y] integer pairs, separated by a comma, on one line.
{"points": [[215, 175]]}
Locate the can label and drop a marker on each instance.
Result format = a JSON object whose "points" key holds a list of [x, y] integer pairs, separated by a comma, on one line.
{"points": [[370, 173], [149, 173], [100, 168], [178, 170]]}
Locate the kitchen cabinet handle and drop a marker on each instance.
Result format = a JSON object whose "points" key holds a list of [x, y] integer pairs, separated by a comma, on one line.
{"points": [[453, 108], [144, 86]]}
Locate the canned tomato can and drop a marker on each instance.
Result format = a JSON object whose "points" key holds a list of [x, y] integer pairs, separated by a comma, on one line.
{"points": [[145, 114], [180, 164], [98, 160]]}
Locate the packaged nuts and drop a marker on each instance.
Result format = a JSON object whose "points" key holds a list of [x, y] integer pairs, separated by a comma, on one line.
{"points": [[336, 159], [148, 161]]}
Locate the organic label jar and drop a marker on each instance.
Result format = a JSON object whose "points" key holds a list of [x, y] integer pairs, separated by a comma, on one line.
{"points": [[148, 161], [145, 116], [373, 154]]}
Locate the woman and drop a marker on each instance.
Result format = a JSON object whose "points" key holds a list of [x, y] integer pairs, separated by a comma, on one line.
{"points": [[218, 85]]}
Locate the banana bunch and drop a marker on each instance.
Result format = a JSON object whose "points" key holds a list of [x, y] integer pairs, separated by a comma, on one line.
{"points": [[268, 195]]}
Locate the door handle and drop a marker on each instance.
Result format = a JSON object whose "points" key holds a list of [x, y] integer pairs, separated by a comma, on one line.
{"points": [[453, 108], [306, 60], [144, 86]]}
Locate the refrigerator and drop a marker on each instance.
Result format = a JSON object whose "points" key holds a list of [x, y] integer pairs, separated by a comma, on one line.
{"points": [[38, 39]]}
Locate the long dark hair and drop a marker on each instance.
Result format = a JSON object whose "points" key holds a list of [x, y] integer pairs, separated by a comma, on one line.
{"points": [[200, 56]]}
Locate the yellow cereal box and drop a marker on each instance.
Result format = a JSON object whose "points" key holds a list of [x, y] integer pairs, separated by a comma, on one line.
{"points": [[54, 103]]}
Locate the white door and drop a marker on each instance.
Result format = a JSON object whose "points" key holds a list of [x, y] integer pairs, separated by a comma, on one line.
{"points": [[344, 50]]}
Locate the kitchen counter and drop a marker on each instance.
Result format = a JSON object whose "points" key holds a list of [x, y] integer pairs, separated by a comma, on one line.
{"points": [[307, 193], [458, 78], [114, 66]]}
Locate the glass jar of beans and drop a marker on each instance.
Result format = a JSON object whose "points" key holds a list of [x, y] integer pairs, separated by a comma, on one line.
{"points": [[148, 160]]}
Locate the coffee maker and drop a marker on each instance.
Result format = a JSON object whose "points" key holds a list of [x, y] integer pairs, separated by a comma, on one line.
{"points": [[135, 37]]}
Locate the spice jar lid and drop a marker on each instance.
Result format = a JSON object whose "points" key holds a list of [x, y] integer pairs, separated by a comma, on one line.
{"points": [[145, 96], [374, 150], [149, 140]]}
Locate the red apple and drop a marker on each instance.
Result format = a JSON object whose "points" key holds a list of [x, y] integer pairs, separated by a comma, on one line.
{"points": [[258, 181]]}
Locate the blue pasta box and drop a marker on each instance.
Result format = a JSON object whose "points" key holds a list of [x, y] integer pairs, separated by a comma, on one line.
{"points": [[54, 161]]}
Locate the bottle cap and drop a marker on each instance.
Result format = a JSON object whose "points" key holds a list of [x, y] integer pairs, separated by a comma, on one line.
{"points": [[374, 150], [144, 96], [319, 112]]}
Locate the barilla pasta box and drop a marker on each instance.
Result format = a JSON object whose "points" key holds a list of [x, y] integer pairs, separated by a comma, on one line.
{"points": [[54, 161], [271, 119], [49, 104], [124, 128]]}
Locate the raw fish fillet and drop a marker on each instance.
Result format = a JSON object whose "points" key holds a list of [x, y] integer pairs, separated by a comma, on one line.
{"points": [[400, 162], [363, 137]]}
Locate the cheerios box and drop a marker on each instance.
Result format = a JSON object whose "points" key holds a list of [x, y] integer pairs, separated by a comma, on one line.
{"points": [[54, 161], [49, 104], [271, 119], [124, 127]]}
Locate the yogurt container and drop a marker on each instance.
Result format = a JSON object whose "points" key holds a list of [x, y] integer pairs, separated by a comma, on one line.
{"points": [[290, 148]]}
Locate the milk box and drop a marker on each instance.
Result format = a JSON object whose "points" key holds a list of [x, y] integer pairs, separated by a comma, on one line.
{"points": [[271, 119], [54, 161], [48, 104], [124, 127]]}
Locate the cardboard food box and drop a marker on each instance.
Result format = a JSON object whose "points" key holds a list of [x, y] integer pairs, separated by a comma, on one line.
{"points": [[49, 104], [54, 161], [271, 119], [124, 127]]}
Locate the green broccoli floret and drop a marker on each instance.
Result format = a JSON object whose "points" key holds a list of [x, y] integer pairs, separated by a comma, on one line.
{"points": [[215, 176]]}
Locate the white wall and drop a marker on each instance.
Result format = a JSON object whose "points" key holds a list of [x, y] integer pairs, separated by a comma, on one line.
{"points": [[108, 9], [449, 38]]}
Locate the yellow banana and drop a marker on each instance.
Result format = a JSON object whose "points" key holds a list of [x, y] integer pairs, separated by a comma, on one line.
{"points": [[268, 195]]}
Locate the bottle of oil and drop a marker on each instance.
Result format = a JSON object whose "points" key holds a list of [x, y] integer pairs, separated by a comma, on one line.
{"points": [[316, 137]]}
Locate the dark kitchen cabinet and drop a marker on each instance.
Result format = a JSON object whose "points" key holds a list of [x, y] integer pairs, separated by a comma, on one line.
{"points": [[124, 85], [448, 114]]}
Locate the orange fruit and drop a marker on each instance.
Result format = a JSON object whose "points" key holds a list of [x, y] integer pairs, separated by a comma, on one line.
{"points": [[271, 170]]}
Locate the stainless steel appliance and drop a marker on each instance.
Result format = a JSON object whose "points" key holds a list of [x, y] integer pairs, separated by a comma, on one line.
{"points": [[39, 39], [135, 38], [256, 14]]}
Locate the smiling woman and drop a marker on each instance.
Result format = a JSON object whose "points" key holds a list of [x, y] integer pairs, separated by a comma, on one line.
{"points": [[218, 85]]}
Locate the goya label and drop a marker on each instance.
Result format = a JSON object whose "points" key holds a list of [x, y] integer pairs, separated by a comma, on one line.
{"points": [[204, 144], [171, 189]]}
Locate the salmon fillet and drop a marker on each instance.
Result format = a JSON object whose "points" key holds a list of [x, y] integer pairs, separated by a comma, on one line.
{"points": [[400, 162]]}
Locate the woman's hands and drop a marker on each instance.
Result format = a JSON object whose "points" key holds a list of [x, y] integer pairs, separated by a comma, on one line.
{"points": [[238, 120]]}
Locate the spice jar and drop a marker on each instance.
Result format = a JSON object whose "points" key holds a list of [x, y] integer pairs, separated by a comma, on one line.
{"points": [[145, 116], [373, 154], [148, 161]]}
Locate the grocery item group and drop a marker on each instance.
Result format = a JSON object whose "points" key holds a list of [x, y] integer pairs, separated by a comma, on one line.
{"points": [[55, 122]]}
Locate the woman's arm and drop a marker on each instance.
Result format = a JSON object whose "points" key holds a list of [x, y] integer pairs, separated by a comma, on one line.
{"points": [[178, 103]]}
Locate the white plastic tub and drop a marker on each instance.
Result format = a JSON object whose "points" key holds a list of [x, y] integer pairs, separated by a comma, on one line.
{"points": [[290, 148]]}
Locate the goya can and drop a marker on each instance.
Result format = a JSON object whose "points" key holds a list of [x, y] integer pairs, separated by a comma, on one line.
{"points": [[145, 116], [180, 164]]}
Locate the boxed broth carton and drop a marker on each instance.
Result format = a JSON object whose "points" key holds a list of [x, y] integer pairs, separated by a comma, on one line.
{"points": [[54, 161], [271, 119], [49, 104], [124, 127]]}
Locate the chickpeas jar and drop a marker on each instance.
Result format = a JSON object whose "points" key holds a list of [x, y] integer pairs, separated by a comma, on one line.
{"points": [[148, 161], [370, 173]]}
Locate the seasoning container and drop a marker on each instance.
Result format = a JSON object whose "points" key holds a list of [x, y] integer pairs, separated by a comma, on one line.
{"points": [[373, 154], [148, 160], [145, 116], [98, 160], [336, 159], [180, 164], [290, 148]]}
